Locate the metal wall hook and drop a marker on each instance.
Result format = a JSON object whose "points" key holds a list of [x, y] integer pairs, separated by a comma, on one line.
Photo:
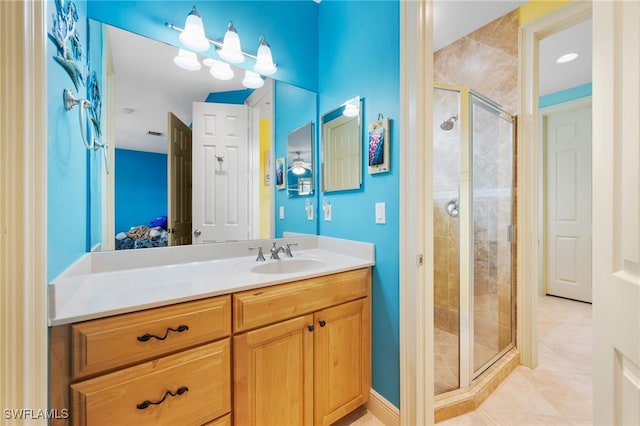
{"points": [[70, 100]]}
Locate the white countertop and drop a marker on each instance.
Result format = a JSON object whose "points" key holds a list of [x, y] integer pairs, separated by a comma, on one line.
{"points": [[80, 294]]}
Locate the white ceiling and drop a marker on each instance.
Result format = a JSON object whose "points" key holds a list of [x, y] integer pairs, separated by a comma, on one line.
{"points": [[555, 77], [148, 83]]}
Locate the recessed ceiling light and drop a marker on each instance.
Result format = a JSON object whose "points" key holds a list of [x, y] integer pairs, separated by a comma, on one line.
{"points": [[567, 58]]}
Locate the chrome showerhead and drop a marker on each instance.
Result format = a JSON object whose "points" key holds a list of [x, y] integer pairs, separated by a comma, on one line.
{"points": [[448, 123]]}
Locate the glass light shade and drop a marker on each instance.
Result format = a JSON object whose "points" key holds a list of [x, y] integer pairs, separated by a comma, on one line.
{"points": [[193, 35], [221, 70], [567, 58], [264, 62], [187, 60], [231, 50], [350, 110], [297, 168], [252, 80]]}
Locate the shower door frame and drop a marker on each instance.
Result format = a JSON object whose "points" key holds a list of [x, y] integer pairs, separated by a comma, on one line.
{"points": [[467, 373]]}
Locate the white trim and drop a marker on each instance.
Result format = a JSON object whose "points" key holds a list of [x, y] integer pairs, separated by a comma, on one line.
{"points": [[528, 169], [109, 180], [23, 197], [383, 410], [416, 213]]}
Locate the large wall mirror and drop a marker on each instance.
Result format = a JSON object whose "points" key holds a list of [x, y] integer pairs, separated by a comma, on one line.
{"points": [[153, 99], [342, 147]]}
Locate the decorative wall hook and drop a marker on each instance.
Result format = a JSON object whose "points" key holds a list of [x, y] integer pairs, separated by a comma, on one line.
{"points": [[70, 100]]}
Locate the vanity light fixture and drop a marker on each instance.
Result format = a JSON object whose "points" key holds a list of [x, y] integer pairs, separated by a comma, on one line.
{"points": [[298, 165], [252, 80], [350, 110], [218, 69], [567, 58], [229, 49], [187, 60], [193, 35], [264, 63]]}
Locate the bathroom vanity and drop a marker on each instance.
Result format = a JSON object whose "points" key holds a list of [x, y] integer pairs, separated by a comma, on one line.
{"points": [[257, 348]]}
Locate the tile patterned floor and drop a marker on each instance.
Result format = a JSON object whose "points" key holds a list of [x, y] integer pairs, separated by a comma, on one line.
{"points": [[556, 393]]}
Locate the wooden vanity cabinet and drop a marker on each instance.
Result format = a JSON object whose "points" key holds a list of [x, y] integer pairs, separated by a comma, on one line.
{"points": [[301, 355], [313, 368], [168, 365]]}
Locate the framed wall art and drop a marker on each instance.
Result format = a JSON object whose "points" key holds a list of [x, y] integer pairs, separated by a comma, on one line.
{"points": [[378, 136]]}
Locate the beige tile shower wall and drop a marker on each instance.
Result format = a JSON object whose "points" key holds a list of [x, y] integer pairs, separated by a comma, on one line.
{"points": [[445, 268], [485, 60]]}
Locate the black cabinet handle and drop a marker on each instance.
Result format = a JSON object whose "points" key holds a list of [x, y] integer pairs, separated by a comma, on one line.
{"points": [[147, 403], [322, 323], [310, 327], [145, 337]]}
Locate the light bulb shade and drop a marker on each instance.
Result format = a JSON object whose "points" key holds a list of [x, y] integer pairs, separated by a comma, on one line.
{"points": [[187, 60], [298, 169], [193, 35], [231, 50], [221, 70], [252, 80], [264, 62], [350, 110]]}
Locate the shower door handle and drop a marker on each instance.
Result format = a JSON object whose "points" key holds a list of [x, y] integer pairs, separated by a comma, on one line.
{"points": [[452, 208]]}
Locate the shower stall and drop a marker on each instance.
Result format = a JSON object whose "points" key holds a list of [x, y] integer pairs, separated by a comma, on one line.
{"points": [[473, 235]]}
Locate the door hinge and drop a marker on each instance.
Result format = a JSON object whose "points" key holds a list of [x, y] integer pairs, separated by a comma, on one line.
{"points": [[511, 233], [420, 260]]}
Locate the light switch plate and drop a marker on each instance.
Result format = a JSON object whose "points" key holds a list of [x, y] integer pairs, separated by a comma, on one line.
{"points": [[381, 215], [281, 212]]}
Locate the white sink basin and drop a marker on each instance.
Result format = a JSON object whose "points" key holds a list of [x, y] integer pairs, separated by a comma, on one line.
{"points": [[287, 266]]}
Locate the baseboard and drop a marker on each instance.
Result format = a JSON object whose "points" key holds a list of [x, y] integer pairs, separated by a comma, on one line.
{"points": [[384, 411]]}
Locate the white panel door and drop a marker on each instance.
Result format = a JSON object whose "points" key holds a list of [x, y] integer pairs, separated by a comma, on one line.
{"points": [[342, 148], [616, 213], [568, 201], [221, 173]]}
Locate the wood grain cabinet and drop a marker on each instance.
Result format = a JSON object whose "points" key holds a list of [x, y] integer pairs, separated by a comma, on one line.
{"points": [[293, 354], [162, 366], [311, 369]]}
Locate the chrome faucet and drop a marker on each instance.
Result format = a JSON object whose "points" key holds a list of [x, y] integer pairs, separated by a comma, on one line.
{"points": [[287, 249], [275, 250], [260, 257]]}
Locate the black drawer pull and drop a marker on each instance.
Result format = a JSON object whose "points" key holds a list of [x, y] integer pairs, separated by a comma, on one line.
{"points": [[148, 336], [322, 323], [147, 403]]}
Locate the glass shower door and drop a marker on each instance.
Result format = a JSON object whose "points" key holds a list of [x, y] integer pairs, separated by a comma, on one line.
{"points": [[492, 134]]}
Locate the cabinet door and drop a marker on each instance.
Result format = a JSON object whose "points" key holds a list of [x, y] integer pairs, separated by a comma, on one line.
{"points": [[273, 373], [342, 360]]}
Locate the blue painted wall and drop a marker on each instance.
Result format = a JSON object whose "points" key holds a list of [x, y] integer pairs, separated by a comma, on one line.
{"points": [[339, 49], [140, 188], [236, 97], [294, 107], [290, 27], [567, 95], [359, 55], [67, 169]]}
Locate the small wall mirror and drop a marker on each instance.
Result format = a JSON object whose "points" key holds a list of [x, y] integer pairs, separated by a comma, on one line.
{"points": [[300, 161], [342, 147]]}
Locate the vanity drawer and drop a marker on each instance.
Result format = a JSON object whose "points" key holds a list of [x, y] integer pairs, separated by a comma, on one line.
{"points": [[199, 380], [255, 308], [107, 343]]}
